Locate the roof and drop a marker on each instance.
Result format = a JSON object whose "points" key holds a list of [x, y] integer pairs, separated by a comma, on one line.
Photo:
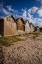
{"points": [[1, 19], [10, 16], [20, 19], [26, 21], [37, 27], [29, 23]]}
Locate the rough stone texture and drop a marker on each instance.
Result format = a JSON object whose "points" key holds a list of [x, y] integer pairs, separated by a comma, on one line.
{"points": [[29, 27], [8, 26], [20, 24], [24, 52], [1, 56]]}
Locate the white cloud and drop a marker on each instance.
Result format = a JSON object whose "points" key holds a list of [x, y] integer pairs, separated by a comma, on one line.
{"points": [[10, 8], [30, 16], [1, 4], [39, 1], [6, 11], [40, 24], [24, 15], [37, 22], [40, 12], [33, 9]]}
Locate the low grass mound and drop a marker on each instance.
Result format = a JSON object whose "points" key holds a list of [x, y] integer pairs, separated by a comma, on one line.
{"points": [[33, 33], [6, 41]]}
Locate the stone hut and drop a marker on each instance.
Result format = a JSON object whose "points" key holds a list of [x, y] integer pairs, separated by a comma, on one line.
{"points": [[37, 29], [20, 24], [40, 29], [31, 27], [28, 27], [8, 26]]}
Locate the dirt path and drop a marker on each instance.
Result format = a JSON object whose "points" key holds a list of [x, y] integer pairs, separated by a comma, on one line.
{"points": [[24, 52], [1, 56]]}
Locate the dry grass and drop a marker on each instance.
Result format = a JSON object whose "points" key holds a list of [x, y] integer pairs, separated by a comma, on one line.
{"points": [[6, 41], [33, 33]]}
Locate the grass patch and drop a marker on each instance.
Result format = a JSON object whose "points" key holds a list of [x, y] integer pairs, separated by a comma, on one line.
{"points": [[6, 41], [26, 34], [34, 36], [33, 33]]}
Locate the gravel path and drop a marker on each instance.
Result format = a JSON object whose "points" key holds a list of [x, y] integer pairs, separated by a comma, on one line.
{"points": [[24, 52]]}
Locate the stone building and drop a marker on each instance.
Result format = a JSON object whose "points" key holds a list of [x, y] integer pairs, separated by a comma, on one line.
{"points": [[29, 27], [37, 29], [8, 26], [20, 24], [40, 29]]}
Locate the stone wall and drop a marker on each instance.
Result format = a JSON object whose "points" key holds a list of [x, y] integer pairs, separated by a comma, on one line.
{"points": [[2, 27], [32, 28], [20, 25], [10, 27], [27, 27]]}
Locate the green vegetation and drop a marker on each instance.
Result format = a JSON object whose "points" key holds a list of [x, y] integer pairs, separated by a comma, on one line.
{"points": [[26, 34], [6, 41], [34, 34]]}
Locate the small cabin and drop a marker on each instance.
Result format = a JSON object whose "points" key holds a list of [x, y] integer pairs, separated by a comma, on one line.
{"points": [[28, 27], [20, 24], [37, 29], [40, 29], [8, 26], [31, 27]]}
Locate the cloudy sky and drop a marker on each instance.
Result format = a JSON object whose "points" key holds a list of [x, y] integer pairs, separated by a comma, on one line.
{"points": [[27, 9]]}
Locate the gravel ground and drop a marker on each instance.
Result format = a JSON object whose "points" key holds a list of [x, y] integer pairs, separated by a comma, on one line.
{"points": [[24, 52]]}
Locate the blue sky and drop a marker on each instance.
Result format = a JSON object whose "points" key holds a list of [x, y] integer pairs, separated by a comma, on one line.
{"points": [[27, 9]]}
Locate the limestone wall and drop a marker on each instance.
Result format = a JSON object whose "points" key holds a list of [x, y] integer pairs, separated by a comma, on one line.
{"points": [[20, 25], [10, 27], [27, 27]]}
